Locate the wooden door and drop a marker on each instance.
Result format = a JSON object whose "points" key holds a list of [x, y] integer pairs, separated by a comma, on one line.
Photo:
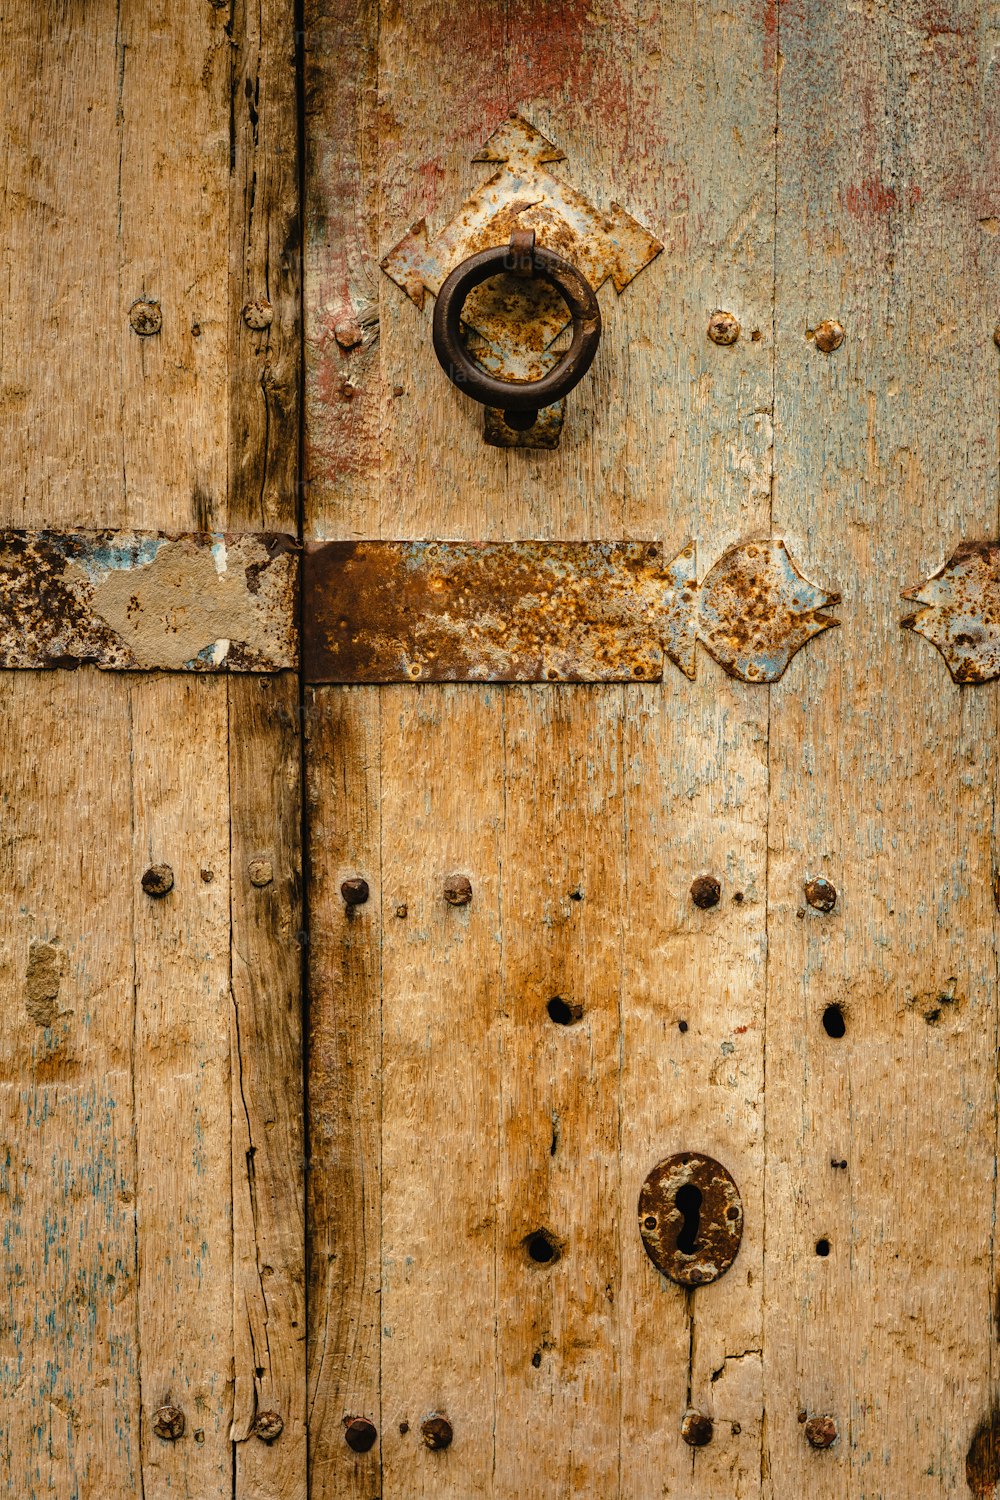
{"points": [[826, 174], [597, 844]]}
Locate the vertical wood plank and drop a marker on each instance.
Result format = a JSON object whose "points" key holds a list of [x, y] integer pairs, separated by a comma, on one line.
{"points": [[174, 251], [564, 887], [344, 1087], [61, 305], [182, 1081], [265, 728], [341, 336], [265, 278], [267, 1098], [883, 772], [69, 1376], [136, 179], [697, 463], [692, 1077], [442, 811]]}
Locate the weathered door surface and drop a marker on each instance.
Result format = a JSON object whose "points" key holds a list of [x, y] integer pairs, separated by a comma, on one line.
{"points": [[486, 1073], [627, 795], [151, 1143]]}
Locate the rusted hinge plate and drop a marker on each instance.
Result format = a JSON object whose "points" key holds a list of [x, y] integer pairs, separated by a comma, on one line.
{"points": [[149, 600], [530, 611]]}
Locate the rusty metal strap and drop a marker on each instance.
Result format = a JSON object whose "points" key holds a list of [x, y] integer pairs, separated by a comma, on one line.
{"points": [[435, 611], [148, 600]]}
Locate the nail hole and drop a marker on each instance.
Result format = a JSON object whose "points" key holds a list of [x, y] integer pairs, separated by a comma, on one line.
{"points": [[682, 1026], [823, 1247], [576, 895], [563, 1012], [542, 1247], [833, 1021], [688, 1202], [536, 1358]]}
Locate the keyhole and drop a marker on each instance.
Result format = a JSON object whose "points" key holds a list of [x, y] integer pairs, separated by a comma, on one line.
{"points": [[688, 1201]]}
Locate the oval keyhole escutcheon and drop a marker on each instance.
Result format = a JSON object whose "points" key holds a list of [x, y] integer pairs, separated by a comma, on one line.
{"points": [[690, 1218]]}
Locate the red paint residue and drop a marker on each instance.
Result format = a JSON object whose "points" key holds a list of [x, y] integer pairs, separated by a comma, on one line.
{"points": [[769, 21], [558, 48], [870, 199]]}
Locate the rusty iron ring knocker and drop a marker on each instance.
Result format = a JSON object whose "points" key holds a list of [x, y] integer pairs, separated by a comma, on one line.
{"points": [[520, 400]]}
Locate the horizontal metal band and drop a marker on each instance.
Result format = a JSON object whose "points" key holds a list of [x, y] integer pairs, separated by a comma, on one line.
{"points": [[529, 611], [149, 600]]}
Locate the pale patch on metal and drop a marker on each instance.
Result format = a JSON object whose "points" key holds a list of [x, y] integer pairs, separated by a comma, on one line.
{"points": [[532, 611], [193, 602], [961, 614], [755, 610], [513, 322]]}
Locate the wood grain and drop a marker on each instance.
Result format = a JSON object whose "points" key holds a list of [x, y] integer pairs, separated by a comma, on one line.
{"points": [[181, 1080], [558, 1360], [69, 1356], [883, 772], [671, 437], [343, 791], [269, 1318], [138, 165], [440, 1130]]}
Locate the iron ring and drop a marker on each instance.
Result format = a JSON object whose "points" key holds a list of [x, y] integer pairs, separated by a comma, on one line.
{"points": [[517, 397]]}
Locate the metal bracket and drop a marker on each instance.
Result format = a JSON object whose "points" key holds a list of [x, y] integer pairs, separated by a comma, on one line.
{"points": [[961, 613], [149, 600], [522, 194], [382, 611]]}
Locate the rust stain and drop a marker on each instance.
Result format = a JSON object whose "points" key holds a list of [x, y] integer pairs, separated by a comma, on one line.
{"points": [[690, 1218], [481, 611], [148, 600], [769, 26], [756, 610], [961, 611], [528, 611]]}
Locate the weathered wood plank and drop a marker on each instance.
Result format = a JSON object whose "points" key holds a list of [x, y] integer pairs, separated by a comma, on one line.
{"points": [[265, 242], [697, 461], [62, 305], [269, 1322], [265, 729], [440, 1085], [181, 1070], [883, 772], [559, 1219], [69, 1372], [173, 243], [121, 190], [344, 772]]}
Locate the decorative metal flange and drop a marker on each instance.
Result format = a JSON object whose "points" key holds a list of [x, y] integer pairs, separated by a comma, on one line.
{"points": [[961, 614], [690, 1218], [522, 194]]}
